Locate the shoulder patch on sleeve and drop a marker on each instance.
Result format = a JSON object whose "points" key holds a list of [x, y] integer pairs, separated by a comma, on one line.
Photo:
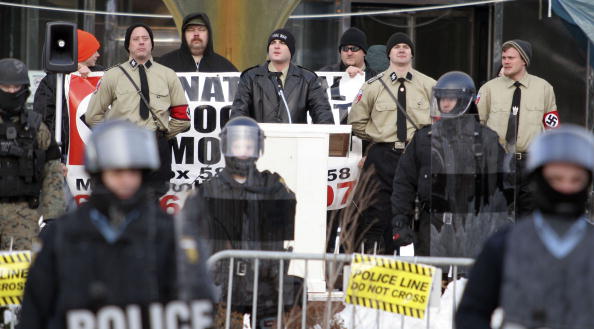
{"points": [[98, 85], [375, 78], [359, 96]]}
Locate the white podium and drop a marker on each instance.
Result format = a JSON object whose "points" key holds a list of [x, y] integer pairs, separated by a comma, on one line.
{"points": [[300, 154]]}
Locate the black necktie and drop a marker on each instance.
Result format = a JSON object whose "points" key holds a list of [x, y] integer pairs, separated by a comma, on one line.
{"points": [[514, 116], [144, 88], [400, 117]]}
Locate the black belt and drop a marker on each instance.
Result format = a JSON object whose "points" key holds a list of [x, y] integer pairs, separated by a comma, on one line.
{"points": [[32, 201], [14, 199], [395, 146], [520, 156]]}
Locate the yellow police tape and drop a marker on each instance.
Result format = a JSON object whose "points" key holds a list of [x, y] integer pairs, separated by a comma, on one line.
{"points": [[390, 285], [14, 268]]}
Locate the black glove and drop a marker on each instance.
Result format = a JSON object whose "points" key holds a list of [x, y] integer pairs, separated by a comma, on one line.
{"points": [[402, 233]]}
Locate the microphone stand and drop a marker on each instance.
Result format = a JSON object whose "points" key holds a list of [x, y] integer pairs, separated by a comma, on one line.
{"points": [[282, 95]]}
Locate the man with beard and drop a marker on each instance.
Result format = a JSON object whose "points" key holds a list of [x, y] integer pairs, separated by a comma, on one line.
{"points": [[518, 106], [30, 170], [196, 53], [540, 271]]}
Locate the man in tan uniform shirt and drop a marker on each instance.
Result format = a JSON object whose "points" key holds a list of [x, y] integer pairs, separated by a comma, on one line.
{"points": [[536, 112], [168, 114], [375, 118]]}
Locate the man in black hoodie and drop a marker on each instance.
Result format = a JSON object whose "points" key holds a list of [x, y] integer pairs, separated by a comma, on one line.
{"points": [[196, 53]]}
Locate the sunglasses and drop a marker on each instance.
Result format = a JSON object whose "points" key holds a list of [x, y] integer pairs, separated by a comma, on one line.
{"points": [[351, 48]]}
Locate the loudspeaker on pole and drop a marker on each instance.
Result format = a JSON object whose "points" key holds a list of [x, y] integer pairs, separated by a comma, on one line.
{"points": [[61, 47]]}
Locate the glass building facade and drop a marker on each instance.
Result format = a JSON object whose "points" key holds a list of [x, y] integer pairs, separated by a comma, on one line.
{"points": [[464, 38]]}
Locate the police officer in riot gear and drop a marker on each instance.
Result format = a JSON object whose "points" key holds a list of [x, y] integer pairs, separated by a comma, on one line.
{"points": [[30, 170], [244, 208], [455, 166], [540, 271], [116, 249]]}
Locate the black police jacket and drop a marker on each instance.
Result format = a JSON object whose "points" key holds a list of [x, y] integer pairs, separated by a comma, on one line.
{"points": [[78, 268], [414, 175], [256, 215], [21, 172], [258, 96]]}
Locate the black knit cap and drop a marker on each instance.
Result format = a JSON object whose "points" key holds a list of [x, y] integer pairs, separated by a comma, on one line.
{"points": [[129, 33], [285, 36], [523, 47], [355, 37], [397, 38]]}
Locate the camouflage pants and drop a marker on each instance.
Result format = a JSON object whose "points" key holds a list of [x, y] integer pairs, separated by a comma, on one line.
{"points": [[19, 223]]}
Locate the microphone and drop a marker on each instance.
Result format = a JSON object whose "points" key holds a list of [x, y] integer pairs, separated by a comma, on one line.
{"points": [[276, 80]]}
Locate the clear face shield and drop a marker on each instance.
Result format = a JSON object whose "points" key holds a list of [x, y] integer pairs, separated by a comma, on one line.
{"points": [[450, 103], [470, 189], [242, 142], [121, 145]]}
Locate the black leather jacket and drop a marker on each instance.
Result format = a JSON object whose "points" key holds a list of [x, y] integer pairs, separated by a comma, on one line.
{"points": [[257, 96]]}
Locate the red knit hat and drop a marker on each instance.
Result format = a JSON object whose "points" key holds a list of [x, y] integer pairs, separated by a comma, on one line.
{"points": [[87, 45]]}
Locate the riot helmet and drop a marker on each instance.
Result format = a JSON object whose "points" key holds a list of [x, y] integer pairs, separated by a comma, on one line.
{"points": [[452, 95], [242, 143], [118, 144], [568, 144], [13, 72]]}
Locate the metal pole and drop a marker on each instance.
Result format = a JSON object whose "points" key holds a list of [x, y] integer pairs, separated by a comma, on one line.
{"points": [[497, 35], [89, 19], [229, 292], [59, 94], [304, 298], [490, 45], [454, 297], [412, 25], [589, 121], [255, 293], [279, 312]]}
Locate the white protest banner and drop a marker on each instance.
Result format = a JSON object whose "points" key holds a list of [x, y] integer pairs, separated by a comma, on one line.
{"points": [[196, 153]]}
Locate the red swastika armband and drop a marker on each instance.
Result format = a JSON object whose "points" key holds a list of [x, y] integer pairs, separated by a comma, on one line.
{"points": [[550, 120], [180, 112]]}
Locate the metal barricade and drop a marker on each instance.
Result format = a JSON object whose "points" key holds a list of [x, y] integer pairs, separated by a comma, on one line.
{"points": [[334, 263]]}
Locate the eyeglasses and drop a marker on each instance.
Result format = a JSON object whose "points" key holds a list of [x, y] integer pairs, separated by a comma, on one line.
{"points": [[351, 48]]}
